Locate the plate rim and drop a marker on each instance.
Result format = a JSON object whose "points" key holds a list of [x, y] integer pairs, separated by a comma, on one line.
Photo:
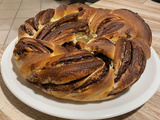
{"points": [[74, 114]]}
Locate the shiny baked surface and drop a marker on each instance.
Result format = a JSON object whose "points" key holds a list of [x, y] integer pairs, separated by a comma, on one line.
{"points": [[82, 53]]}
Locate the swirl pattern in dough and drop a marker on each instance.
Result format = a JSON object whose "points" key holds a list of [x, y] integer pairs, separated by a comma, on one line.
{"points": [[82, 53]]}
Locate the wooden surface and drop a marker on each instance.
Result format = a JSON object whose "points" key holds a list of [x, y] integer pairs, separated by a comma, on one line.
{"points": [[13, 109]]}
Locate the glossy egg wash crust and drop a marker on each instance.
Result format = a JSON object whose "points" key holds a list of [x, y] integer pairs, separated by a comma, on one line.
{"points": [[83, 53]]}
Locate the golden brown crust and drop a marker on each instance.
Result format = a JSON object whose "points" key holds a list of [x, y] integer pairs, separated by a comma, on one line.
{"points": [[82, 53]]}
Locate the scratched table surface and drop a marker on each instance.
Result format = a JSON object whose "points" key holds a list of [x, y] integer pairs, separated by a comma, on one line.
{"points": [[12, 108]]}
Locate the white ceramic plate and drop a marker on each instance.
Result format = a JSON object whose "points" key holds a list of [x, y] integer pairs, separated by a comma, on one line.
{"points": [[133, 98]]}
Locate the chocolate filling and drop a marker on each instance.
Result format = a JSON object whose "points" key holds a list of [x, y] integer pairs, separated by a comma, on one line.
{"points": [[73, 86], [34, 45], [61, 87], [138, 56], [31, 22], [77, 26], [37, 19], [47, 16], [72, 57], [109, 28], [127, 57], [26, 29], [104, 58], [69, 18], [107, 20], [92, 81]]}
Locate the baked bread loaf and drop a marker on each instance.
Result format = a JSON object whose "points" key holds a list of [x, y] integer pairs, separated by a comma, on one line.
{"points": [[82, 53]]}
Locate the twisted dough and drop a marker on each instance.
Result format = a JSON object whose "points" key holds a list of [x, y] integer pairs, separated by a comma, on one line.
{"points": [[82, 53]]}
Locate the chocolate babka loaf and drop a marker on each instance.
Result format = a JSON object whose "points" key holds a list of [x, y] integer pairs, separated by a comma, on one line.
{"points": [[83, 53]]}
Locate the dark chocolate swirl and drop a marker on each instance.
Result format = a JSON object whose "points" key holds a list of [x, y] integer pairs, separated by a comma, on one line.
{"points": [[82, 53]]}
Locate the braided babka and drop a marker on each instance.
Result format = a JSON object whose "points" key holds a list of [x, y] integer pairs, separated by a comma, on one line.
{"points": [[83, 53]]}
